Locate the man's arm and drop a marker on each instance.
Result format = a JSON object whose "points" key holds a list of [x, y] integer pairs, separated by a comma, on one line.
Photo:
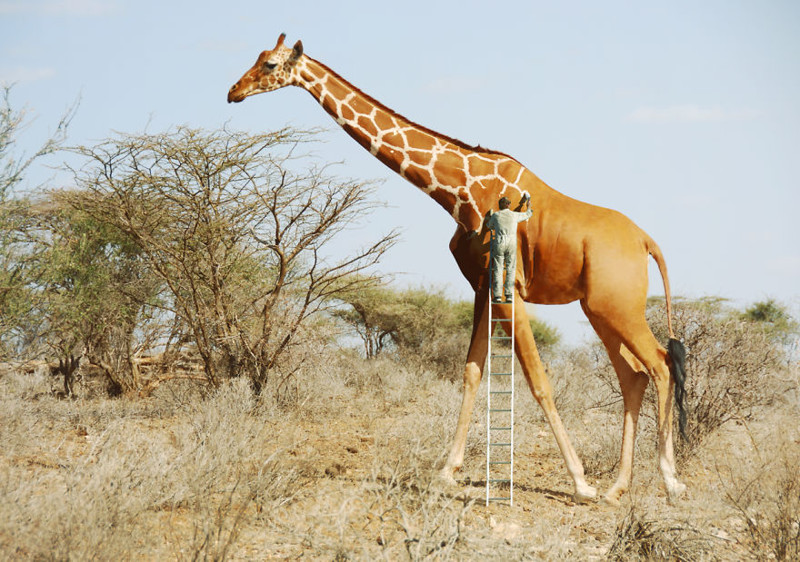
{"points": [[526, 215]]}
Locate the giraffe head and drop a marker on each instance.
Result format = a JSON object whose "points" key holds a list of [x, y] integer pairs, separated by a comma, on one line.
{"points": [[274, 69]]}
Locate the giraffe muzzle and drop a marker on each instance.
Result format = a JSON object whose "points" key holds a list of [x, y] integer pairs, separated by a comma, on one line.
{"points": [[232, 95]]}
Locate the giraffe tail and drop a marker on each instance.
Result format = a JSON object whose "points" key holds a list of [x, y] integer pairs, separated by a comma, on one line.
{"points": [[675, 348], [677, 368]]}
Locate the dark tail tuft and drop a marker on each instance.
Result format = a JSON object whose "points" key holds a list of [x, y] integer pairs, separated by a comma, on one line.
{"points": [[677, 353]]}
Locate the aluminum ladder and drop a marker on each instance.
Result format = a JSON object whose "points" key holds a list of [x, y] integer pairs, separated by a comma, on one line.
{"points": [[500, 404]]}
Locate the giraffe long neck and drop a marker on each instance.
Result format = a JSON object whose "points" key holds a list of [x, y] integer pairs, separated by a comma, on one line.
{"points": [[463, 180]]}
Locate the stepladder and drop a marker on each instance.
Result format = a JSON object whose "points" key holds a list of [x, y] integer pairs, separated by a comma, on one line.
{"points": [[500, 402]]}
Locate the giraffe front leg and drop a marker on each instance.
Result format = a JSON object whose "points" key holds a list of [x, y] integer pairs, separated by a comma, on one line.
{"points": [[472, 379], [476, 359], [539, 385]]}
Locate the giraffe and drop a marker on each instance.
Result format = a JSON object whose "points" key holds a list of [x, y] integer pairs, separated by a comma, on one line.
{"points": [[568, 251]]}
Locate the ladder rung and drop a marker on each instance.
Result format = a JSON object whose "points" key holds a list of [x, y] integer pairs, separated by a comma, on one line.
{"points": [[499, 462], [500, 374], [499, 499], [505, 355], [499, 444], [501, 337], [499, 429], [500, 410], [500, 392], [502, 319]]}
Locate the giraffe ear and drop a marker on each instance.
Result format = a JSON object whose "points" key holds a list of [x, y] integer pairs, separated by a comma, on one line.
{"points": [[297, 50]]}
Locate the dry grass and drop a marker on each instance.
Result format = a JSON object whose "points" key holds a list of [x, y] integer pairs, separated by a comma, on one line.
{"points": [[764, 488], [340, 465], [640, 538]]}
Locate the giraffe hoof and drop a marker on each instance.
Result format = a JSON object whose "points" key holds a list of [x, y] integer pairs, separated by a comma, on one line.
{"points": [[675, 491], [446, 478], [612, 498], [584, 494]]}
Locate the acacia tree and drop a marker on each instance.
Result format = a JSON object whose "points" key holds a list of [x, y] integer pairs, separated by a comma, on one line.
{"points": [[775, 319], [374, 315], [238, 235], [421, 324], [93, 292], [15, 274]]}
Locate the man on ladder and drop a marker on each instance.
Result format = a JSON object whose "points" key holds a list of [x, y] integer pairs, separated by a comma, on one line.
{"points": [[500, 380], [503, 223]]}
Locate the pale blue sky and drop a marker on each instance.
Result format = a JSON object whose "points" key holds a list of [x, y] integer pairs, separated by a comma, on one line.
{"points": [[684, 115]]}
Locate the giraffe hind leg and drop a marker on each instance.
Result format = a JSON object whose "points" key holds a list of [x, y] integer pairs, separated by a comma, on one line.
{"points": [[654, 357], [635, 335], [633, 380]]}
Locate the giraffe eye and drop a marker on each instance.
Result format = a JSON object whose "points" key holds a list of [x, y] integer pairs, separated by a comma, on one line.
{"points": [[269, 66]]}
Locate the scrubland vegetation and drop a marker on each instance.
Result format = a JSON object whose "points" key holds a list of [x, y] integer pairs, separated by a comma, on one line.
{"points": [[340, 464], [186, 372]]}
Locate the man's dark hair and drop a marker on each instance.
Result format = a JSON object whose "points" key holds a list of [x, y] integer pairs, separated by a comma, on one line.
{"points": [[505, 203]]}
